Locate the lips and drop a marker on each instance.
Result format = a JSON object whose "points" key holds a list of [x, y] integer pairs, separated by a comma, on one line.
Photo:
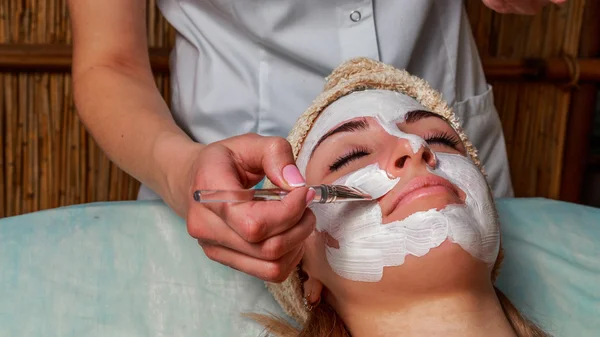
{"points": [[420, 186]]}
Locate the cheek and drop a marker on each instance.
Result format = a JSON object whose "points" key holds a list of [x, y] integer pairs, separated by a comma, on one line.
{"points": [[311, 176], [314, 261], [317, 171]]}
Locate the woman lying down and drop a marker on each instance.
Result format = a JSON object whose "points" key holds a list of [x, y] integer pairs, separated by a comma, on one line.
{"points": [[421, 259]]}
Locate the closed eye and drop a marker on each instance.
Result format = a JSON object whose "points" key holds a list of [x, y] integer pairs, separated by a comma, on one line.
{"points": [[346, 159], [444, 139]]}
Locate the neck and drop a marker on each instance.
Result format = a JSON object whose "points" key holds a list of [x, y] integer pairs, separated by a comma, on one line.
{"points": [[462, 314]]}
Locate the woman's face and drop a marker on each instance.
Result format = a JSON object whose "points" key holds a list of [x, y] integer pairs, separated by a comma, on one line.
{"points": [[433, 220], [362, 141]]}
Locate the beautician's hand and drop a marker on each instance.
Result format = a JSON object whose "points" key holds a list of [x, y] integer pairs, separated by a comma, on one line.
{"points": [[265, 238], [519, 6]]}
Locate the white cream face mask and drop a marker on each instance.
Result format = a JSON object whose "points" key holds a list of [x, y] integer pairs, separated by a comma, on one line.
{"points": [[366, 245]]}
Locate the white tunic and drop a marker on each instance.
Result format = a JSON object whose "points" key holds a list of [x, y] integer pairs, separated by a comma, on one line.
{"points": [[243, 66]]}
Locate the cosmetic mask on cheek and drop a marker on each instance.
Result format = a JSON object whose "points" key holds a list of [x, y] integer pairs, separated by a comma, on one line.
{"points": [[366, 245]]}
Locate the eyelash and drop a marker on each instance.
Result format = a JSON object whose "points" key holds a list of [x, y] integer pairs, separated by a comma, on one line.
{"points": [[441, 138], [346, 159]]}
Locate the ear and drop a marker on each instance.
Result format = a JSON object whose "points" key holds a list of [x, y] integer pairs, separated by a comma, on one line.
{"points": [[312, 287], [312, 266]]}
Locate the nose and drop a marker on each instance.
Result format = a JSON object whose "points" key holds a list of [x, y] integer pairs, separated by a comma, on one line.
{"points": [[404, 158]]}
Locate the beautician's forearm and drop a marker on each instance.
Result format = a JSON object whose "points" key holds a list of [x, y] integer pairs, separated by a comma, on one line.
{"points": [[118, 101], [126, 115]]}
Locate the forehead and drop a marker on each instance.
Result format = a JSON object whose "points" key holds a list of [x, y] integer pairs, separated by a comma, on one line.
{"points": [[388, 107]]}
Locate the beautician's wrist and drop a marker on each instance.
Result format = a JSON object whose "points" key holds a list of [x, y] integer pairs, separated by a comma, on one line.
{"points": [[174, 155]]}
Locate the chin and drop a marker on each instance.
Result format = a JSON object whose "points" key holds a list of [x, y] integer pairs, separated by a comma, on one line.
{"points": [[444, 269]]}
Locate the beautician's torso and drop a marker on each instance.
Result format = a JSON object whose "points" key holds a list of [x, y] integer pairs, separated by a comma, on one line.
{"points": [[243, 66]]}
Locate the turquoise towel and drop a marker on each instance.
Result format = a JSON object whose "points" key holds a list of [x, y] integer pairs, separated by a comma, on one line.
{"points": [[130, 269]]}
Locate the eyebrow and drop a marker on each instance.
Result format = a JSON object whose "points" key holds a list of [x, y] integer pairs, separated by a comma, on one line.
{"points": [[417, 115], [362, 124], [355, 125]]}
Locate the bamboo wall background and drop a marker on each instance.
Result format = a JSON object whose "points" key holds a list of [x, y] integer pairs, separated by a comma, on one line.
{"points": [[534, 116], [48, 160]]}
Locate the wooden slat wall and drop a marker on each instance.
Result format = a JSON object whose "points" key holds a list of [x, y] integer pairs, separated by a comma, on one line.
{"points": [[534, 116], [48, 160]]}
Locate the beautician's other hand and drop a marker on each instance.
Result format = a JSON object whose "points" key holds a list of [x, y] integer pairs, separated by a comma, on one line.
{"points": [[265, 238], [520, 6]]}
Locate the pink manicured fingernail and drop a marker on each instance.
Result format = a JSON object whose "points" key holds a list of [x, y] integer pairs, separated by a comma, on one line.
{"points": [[292, 176], [310, 195]]}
